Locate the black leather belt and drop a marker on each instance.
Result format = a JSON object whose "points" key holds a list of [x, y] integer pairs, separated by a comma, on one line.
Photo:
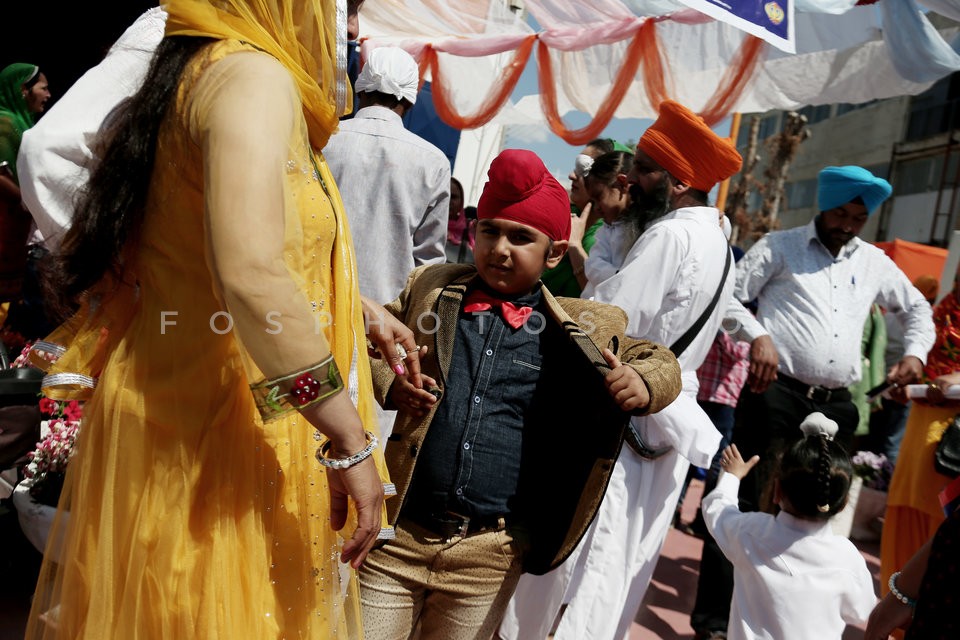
{"points": [[450, 524], [814, 392]]}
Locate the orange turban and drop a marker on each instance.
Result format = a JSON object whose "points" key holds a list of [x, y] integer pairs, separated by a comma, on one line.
{"points": [[680, 142]]}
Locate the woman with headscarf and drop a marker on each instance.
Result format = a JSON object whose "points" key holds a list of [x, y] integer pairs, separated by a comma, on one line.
{"points": [[23, 96], [214, 282]]}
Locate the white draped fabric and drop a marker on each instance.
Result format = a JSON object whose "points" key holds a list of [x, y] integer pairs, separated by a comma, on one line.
{"points": [[845, 53]]}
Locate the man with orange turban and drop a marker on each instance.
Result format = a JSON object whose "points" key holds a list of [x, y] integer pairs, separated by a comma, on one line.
{"points": [[675, 284]]}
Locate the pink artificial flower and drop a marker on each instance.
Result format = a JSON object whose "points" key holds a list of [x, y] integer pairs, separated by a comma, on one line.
{"points": [[73, 411]]}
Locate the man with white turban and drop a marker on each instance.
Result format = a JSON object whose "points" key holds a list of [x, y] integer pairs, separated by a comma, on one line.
{"points": [[395, 185]]}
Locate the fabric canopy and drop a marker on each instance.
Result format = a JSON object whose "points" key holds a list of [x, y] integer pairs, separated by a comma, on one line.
{"points": [[915, 259], [621, 58]]}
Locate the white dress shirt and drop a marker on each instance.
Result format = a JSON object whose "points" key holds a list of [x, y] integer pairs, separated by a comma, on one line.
{"points": [[793, 578], [396, 192], [56, 154], [814, 305]]}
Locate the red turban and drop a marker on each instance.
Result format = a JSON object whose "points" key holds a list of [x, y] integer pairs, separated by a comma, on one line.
{"points": [[520, 189], [680, 142]]}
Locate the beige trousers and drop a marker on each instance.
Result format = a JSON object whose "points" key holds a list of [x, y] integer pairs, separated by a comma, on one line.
{"points": [[420, 585]]}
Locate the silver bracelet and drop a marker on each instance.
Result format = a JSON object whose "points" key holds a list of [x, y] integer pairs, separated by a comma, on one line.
{"points": [[349, 461], [899, 595]]}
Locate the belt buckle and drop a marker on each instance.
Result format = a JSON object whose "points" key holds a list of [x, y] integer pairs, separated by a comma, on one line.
{"points": [[812, 394], [463, 528]]}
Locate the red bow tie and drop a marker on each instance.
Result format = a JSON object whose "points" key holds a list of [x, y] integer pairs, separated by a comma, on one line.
{"points": [[512, 314]]}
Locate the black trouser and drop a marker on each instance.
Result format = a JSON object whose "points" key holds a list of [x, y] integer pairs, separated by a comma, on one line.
{"points": [[765, 424]]}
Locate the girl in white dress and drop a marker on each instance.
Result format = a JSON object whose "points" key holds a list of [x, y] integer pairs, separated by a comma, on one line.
{"points": [[793, 578]]}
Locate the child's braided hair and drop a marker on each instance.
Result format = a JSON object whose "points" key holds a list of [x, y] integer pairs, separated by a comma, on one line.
{"points": [[815, 472]]}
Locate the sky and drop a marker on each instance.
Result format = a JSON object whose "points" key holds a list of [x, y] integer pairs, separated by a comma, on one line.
{"points": [[556, 154]]}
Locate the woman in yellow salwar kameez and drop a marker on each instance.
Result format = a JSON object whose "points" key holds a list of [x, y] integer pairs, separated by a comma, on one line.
{"points": [[213, 278]]}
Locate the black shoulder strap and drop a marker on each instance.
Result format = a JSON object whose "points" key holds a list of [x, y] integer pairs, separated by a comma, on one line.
{"points": [[684, 341]]}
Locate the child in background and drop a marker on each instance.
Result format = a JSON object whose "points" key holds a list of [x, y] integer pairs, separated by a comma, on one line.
{"points": [[607, 185], [793, 578]]}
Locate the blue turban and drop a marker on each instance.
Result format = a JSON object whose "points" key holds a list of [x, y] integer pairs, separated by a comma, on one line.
{"points": [[839, 185]]}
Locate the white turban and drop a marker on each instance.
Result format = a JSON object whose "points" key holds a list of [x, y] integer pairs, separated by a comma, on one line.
{"points": [[390, 70]]}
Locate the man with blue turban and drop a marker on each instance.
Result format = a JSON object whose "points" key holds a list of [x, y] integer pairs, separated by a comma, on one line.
{"points": [[814, 286]]}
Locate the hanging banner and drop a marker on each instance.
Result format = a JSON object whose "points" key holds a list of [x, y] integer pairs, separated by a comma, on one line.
{"points": [[769, 20]]}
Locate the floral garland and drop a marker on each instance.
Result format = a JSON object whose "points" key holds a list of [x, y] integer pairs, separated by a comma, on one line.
{"points": [[59, 426]]}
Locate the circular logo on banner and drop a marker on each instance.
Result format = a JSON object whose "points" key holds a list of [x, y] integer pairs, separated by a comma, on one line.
{"points": [[774, 12]]}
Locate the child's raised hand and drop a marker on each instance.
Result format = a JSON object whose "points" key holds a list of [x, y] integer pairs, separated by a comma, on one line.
{"points": [[732, 462], [625, 385], [410, 399]]}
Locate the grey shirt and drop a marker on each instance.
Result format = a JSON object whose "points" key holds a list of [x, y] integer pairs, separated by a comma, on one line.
{"points": [[396, 192]]}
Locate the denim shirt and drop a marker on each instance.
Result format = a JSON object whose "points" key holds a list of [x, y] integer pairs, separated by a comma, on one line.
{"points": [[470, 458]]}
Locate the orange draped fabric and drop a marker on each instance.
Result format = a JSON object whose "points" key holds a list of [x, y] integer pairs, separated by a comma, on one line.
{"points": [[735, 80], [644, 53], [494, 101], [548, 92]]}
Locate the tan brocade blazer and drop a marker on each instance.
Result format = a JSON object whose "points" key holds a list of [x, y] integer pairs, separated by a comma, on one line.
{"points": [[572, 437]]}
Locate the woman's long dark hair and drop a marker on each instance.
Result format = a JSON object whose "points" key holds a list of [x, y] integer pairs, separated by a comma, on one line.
{"points": [[110, 210]]}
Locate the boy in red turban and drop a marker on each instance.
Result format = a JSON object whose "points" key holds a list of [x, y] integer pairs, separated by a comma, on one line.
{"points": [[494, 473]]}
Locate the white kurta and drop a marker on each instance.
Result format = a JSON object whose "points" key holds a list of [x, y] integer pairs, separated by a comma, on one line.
{"points": [[792, 578], [668, 278]]}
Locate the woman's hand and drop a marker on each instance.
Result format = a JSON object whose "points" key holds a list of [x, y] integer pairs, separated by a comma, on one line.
{"points": [[578, 225], [337, 418], [392, 340], [362, 483]]}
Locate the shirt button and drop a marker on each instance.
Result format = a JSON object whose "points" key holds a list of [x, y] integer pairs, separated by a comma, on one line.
{"points": [[466, 445], [459, 491], [476, 399], [489, 352]]}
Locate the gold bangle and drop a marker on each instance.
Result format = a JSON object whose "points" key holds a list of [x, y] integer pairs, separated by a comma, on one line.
{"points": [[297, 390]]}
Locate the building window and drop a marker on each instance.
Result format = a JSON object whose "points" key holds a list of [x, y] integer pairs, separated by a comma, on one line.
{"points": [[847, 108], [920, 175]]}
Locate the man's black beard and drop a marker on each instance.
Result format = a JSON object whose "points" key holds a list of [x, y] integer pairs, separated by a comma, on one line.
{"points": [[645, 207]]}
